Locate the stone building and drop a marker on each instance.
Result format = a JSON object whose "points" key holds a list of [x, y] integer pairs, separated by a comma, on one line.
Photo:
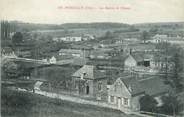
{"points": [[90, 82]]}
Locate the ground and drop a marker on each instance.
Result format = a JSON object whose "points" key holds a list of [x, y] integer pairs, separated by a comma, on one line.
{"points": [[21, 104]]}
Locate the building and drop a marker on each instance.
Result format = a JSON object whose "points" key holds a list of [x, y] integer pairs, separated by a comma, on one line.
{"points": [[125, 94], [7, 51], [152, 63], [128, 41], [159, 38], [52, 60], [137, 59], [75, 38], [90, 82], [164, 38], [70, 39], [73, 53]]}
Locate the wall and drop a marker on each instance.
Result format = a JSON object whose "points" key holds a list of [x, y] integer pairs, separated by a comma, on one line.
{"points": [[135, 105], [130, 62], [103, 92]]}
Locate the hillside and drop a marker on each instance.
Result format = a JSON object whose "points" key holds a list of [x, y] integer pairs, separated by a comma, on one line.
{"points": [[22, 26]]}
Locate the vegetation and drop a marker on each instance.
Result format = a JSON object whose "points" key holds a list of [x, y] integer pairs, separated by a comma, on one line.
{"points": [[172, 55], [148, 104], [17, 38], [10, 70], [145, 36], [171, 105], [22, 104]]}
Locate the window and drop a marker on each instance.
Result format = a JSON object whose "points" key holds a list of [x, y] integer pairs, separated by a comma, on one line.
{"points": [[100, 86], [112, 98], [115, 87], [125, 101]]}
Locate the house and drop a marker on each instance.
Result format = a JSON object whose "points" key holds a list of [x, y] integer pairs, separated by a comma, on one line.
{"points": [[128, 41], [37, 85], [164, 38], [125, 94], [52, 60], [7, 51], [140, 59], [86, 37], [152, 63], [136, 59], [126, 91], [71, 39], [73, 53], [90, 82], [158, 38]]}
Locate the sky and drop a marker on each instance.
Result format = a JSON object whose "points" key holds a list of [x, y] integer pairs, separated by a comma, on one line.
{"points": [[81, 11]]}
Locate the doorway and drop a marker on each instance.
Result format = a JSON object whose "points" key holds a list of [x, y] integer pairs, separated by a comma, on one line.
{"points": [[119, 102], [87, 89]]}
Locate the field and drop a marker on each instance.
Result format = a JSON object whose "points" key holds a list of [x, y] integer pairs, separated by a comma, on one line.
{"points": [[20, 104]]}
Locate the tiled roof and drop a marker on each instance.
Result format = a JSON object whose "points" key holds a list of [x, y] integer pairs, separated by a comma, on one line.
{"points": [[90, 72], [132, 85], [139, 57], [152, 86]]}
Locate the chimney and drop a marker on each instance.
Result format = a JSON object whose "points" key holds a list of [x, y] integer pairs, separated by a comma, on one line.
{"points": [[130, 51], [82, 75]]}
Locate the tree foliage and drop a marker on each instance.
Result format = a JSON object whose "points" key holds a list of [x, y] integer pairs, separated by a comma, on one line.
{"points": [[10, 69], [148, 103], [171, 105], [17, 38], [145, 36]]}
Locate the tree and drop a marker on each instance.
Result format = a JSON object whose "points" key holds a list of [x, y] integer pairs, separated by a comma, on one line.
{"points": [[10, 69], [17, 38], [177, 69], [171, 105], [153, 30], [148, 103], [174, 59], [108, 35], [145, 36]]}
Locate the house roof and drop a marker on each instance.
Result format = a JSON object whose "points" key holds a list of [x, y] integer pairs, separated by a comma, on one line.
{"points": [[70, 51], [90, 72], [132, 85], [137, 57], [154, 86]]}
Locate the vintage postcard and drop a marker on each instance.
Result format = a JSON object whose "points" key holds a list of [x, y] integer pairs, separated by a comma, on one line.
{"points": [[92, 58]]}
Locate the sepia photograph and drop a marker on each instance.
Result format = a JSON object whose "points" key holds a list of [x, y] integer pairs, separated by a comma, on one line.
{"points": [[92, 58]]}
